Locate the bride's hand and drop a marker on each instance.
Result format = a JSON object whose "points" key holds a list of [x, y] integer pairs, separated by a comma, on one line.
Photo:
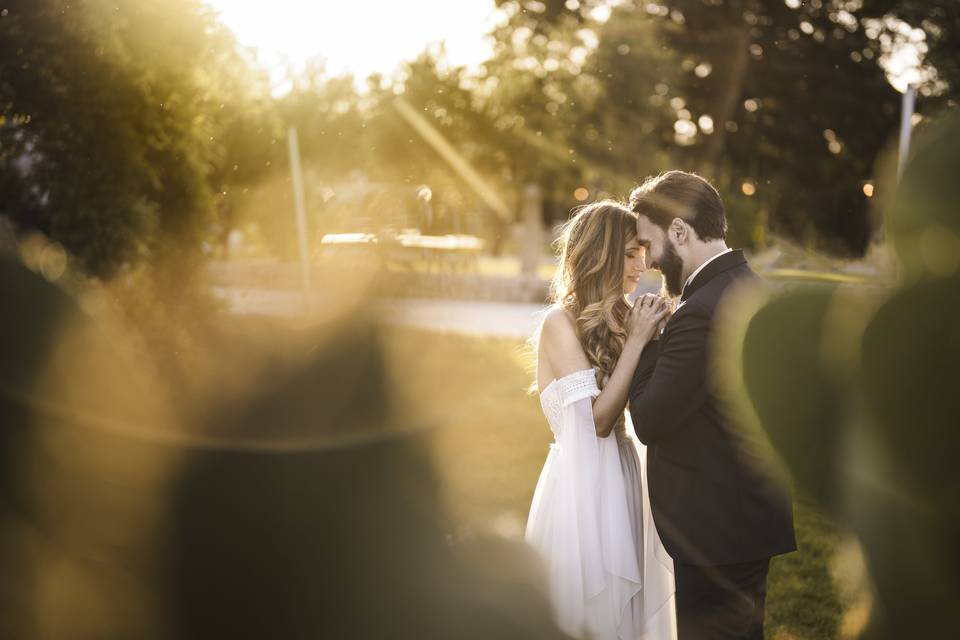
{"points": [[646, 315], [663, 323]]}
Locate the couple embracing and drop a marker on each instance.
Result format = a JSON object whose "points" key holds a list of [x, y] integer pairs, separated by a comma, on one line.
{"points": [[666, 529]]}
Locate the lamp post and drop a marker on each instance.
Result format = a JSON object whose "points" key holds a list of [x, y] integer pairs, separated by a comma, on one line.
{"points": [[301, 214], [906, 126]]}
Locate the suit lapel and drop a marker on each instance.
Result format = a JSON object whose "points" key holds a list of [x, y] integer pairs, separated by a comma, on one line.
{"points": [[722, 263]]}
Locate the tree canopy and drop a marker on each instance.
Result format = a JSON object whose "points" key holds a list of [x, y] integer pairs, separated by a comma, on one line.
{"points": [[131, 131]]}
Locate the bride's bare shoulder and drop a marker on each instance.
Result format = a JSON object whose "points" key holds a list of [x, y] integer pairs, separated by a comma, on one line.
{"points": [[559, 343], [558, 324]]}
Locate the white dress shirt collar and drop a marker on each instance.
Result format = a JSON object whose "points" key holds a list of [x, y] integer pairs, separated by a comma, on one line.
{"points": [[700, 268]]}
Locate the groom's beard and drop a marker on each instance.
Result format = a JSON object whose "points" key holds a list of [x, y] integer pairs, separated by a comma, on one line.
{"points": [[671, 266]]}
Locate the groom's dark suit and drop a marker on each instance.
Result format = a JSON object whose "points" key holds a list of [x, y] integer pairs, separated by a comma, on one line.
{"points": [[720, 513]]}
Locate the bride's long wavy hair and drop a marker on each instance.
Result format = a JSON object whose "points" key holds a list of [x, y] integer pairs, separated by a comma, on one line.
{"points": [[588, 283]]}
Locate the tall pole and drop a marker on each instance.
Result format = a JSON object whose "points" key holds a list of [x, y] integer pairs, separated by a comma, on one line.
{"points": [[532, 229], [906, 125], [300, 212]]}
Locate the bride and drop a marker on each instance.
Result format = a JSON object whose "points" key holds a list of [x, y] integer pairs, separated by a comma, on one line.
{"points": [[590, 519]]}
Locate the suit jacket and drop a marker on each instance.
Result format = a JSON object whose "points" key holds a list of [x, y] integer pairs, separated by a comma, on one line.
{"points": [[715, 501]]}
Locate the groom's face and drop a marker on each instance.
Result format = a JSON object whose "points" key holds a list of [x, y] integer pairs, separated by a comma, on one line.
{"points": [[661, 254]]}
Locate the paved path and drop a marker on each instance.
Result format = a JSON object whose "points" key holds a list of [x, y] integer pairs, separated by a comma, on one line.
{"points": [[498, 319]]}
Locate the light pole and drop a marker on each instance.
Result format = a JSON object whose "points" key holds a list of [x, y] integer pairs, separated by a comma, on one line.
{"points": [[906, 126], [301, 214]]}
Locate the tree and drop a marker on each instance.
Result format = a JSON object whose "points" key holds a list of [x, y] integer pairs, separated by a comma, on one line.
{"points": [[798, 109], [627, 130], [535, 91], [939, 21], [111, 124]]}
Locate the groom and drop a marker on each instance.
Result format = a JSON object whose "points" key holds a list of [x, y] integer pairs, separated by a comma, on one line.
{"points": [[720, 514]]}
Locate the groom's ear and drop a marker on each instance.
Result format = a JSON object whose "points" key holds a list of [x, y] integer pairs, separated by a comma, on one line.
{"points": [[678, 231]]}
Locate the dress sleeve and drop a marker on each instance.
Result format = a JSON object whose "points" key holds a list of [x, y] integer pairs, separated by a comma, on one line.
{"points": [[575, 575], [588, 547], [586, 522]]}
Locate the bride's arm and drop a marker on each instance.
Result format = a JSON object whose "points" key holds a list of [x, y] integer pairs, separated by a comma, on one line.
{"points": [[564, 354], [609, 405]]}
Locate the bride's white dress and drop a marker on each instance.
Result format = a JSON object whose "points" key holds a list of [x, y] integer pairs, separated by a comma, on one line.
{"points": [[590, 521]]}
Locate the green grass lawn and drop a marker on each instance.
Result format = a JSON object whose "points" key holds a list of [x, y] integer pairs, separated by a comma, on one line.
{"points": [[491, 439]]}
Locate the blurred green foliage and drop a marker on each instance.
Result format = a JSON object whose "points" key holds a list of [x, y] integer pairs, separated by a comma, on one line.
{"points": [[276, 495], [859, 397]]}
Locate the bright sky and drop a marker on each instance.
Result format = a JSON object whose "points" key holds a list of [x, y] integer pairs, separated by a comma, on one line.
{"points": [[358, 36]]}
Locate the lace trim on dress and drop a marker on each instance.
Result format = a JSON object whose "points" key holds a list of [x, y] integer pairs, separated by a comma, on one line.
{"points": [[575, 386]]}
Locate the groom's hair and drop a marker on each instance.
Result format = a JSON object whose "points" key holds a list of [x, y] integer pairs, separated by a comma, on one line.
{"points": [[678, 194]]}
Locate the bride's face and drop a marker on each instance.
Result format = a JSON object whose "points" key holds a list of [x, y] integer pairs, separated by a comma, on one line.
{"points": [[634, 264]]}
